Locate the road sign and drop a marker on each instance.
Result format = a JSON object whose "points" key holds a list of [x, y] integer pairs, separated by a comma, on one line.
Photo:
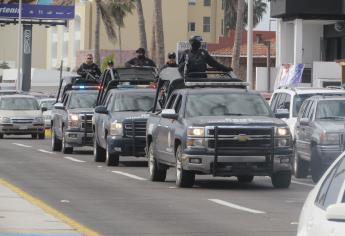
{"points": [[38, 9]]}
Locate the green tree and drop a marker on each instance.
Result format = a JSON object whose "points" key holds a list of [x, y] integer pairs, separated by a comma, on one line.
{"points": [[230, 13]]}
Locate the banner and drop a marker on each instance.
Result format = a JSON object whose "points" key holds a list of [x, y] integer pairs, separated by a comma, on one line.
{"points": [[38, 9], [289, 75]]}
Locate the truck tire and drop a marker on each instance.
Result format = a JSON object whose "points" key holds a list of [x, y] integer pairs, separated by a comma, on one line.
{"points": [[56, 143], [316, 166], [300, 167], [184, 179], [98, 152], [245, 178], [111, 158], [42, 135], [65, 150], [281, 179], [156, 174]]}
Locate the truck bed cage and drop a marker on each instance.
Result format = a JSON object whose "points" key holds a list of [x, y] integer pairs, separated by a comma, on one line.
{"points": [[113, 78]]}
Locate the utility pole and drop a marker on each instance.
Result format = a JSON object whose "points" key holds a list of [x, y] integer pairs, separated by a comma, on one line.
{"points": [[19, 57], [250, 43]]}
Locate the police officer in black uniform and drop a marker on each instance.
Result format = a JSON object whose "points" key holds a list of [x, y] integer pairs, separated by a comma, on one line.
{"points": [[89, 68], [171, 60], [140, 59], [195, 60]]}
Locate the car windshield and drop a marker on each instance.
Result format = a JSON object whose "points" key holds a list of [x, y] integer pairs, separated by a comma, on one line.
{"points": [[299, 99], [19, 103], [226, 105], [48, 104], [330, 110], [133, 102], [83, 100]]}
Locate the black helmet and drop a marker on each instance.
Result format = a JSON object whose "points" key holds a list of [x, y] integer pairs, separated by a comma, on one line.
{"points": [[110, 63], [140, 50], [195, 39], [171, 55]]}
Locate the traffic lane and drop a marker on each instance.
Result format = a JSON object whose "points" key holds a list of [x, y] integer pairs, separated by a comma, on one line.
{"points": [[220, 189]]}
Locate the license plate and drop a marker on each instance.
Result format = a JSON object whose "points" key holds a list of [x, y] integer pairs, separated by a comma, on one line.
{"points": [[23, 127]]}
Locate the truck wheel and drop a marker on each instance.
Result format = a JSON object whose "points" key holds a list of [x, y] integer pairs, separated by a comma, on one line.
{"points": [[245, 178], [42, 135], [316, 166], [34, 136], [56, 143], [184, 179], [156, 174], [112, 159], [65, 150], [98, 152], [300, 167], [281, 179]]}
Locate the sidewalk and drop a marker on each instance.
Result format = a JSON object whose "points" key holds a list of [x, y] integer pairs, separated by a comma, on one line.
{"points": [[19, 216]]}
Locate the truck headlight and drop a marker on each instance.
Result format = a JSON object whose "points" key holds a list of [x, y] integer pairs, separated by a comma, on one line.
{"points": [[283, 131], [196, 131], [116, 129], [329, 139], [5, 120], [196, 143], [73, 120]]}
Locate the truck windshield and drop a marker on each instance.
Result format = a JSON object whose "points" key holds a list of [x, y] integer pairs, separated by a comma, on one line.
{"points": [[133, 102], [83, 100], [226, 105], [19, 104], [330, 110]]}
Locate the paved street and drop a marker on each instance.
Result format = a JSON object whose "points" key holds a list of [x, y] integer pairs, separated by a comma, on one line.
{"points": [[121, 201]]}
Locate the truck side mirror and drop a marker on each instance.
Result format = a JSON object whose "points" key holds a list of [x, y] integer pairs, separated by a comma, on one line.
{"points": [[59, 106], [282, 113], [101, 110], [304, 121], [169, 114], [336, 212]]}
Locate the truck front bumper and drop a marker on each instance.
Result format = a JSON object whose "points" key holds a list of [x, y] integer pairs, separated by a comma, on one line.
{"points": [[328, 153], [21, 129], [78, 139], [126, 146]]}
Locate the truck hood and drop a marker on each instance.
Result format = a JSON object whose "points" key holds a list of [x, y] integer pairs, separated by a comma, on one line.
{"points": [[21, 114], [121, 116], [235, 120], [81, 110], [335, 126]]}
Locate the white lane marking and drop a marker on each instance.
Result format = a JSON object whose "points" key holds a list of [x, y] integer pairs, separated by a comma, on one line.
{"points": [[294, 223], [65, 201], [99, 166], [301, 183], [45, 151], [73, 159], [172, 187], [22, 145], [238, 207], [129, 175]]}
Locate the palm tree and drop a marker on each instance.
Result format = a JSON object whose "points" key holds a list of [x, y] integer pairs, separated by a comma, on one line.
{"points": [[159, 32], [236, 52], [141, 24], [230, 13]]}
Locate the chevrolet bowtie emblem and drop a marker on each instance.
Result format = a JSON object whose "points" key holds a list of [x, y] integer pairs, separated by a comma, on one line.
{"points": [[242, 138]]}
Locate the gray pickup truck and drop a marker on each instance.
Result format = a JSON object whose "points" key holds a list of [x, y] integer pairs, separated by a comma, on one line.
{"points": [[320, 135], [72, 120], [218, 127]]}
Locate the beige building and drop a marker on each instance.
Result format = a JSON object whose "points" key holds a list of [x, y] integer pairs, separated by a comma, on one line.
{"points": [[181, 19]]}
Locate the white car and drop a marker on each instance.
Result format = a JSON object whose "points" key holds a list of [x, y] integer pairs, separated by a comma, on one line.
{"points": [[288, 100], [323, 213]]}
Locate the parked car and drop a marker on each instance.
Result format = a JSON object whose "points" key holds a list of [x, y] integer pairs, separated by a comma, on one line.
{"points": [[48, 103], [323, 212], [21, 115], [287, 101], [320, 134], [216, 127]]}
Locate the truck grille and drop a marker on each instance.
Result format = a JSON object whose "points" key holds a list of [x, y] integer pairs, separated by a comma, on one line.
{"points": [[22, 121], [232, 138], [138, 131], [86, 122]]}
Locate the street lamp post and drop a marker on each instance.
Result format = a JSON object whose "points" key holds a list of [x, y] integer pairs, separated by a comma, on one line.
{"points": [[250, 43], [19, 82], [267, 43]]}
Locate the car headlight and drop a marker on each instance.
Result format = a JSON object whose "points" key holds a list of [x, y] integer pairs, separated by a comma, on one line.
{"points": [[73, 120], [196, 143], [196, 131], [38, 120], [329, 139], [116, 129], [283, 131], [5, 120]]}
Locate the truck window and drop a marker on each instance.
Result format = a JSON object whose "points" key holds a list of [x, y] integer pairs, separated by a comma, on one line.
{"points": [[171, 102], [178, 104]]}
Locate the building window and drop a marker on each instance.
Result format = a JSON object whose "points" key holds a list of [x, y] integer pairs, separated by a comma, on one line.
{"points": [[207, 24], [207, 3], [192, 2], [191, 27]]}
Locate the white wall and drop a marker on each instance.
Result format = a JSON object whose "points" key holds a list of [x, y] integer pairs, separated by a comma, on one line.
{"points": [[261, 79], [312, 34]]}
